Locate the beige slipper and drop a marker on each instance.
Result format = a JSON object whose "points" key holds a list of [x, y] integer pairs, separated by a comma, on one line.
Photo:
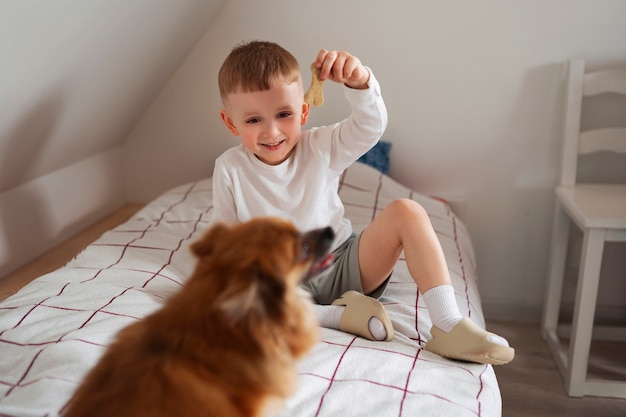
{"points": [[468, 342], [359, 310]]}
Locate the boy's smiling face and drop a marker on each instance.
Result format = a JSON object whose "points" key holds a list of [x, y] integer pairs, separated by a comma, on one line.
{"points": [[268, 122]]}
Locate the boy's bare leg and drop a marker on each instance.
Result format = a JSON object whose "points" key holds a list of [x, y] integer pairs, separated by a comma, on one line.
{"points": [[405, 225]]}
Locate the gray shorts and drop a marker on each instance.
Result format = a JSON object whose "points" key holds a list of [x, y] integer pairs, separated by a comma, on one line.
{"points": [[343, 275]]}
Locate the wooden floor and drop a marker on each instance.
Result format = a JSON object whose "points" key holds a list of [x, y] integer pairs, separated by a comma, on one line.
{"points": [[531, 385]]}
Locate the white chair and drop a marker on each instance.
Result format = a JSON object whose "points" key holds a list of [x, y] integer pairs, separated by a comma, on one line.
{"points": [[599, 210]]}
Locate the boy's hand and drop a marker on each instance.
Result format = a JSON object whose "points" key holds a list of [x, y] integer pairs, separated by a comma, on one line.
{"points": [[342, 67]]}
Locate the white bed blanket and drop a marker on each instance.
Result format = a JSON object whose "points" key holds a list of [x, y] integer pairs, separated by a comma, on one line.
{"points": [[55, 328]]}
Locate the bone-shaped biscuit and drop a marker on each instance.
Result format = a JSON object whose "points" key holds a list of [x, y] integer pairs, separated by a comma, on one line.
{"points": [[315, 93]]}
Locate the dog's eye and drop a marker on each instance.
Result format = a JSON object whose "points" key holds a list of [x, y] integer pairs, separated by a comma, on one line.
{"points": [[305, 249]]}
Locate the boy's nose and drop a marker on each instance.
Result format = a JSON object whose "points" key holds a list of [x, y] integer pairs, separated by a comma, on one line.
{"points": [[270, 130]]}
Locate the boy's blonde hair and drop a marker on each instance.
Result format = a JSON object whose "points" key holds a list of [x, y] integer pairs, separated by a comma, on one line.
{"points": [[254, 65]]}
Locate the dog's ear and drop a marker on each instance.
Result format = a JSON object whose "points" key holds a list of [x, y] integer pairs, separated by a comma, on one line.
{"points": [[206, 244]]}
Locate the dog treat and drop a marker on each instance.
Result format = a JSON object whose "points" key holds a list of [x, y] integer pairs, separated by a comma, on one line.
{"points": [[315, 93]]}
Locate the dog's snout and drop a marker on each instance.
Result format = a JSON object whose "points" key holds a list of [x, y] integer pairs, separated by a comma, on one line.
{"points": [[321, 240], [327, 233]]}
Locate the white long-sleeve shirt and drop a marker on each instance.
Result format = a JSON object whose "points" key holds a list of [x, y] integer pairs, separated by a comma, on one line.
{"points": [[303, 188]]}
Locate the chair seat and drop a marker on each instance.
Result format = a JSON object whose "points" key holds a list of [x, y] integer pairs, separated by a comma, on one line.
{"points": [[595, 205]]}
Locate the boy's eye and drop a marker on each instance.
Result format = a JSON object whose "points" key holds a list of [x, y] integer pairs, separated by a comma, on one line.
{"points": [[253, 120], [283, 114]]}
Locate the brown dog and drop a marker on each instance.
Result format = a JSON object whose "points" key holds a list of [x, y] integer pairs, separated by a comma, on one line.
{"points": [[226, 344]]}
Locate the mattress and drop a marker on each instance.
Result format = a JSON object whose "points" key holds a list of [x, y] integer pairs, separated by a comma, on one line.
{"points": [[56, 327]]}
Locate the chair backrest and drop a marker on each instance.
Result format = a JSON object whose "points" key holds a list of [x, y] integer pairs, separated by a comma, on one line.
{"points": [[581, 85]]}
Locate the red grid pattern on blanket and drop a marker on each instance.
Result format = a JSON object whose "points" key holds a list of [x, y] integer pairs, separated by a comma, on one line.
{"points": [[58, 326]]}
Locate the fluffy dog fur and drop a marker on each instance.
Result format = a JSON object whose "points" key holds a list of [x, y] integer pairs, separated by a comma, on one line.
{"points": [[226, 344]]}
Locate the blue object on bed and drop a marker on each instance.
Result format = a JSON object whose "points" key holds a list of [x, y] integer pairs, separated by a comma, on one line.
{"points": [[378, 157]]}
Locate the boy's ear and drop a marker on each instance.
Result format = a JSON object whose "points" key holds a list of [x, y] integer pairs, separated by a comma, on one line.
{"points": [[306, 107], [228, 122]]}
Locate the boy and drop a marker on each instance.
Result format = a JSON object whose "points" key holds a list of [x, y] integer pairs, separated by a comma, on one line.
{"points": [[281, 171]]}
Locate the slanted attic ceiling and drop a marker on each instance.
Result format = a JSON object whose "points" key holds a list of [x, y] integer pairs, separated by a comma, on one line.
{"points": [[76, 75]]}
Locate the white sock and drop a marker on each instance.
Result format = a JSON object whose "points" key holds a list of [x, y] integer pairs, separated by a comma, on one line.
{"points": [[442, 307], [328, 316], [444, 311]]}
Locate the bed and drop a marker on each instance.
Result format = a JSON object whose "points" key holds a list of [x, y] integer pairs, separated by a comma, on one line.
{"points": [[56, 327]]}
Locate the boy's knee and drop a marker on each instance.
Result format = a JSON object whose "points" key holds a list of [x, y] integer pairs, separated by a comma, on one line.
{"points": [[408, 209]]}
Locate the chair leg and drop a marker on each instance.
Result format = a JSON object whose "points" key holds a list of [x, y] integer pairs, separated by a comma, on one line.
{"points": [[584, 311], [558, 253]]}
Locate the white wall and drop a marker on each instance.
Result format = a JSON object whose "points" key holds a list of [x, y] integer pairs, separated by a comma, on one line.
{"points": [[474, 95], [75, 77], [46, 211]]}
